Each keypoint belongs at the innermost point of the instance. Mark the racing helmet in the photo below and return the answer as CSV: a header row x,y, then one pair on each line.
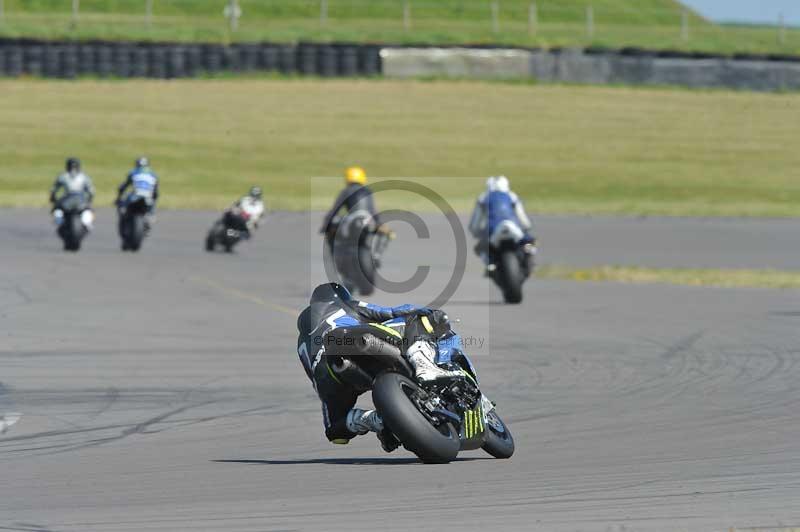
x,y
142,162
73,165
331,292
355,174
255,192
501,184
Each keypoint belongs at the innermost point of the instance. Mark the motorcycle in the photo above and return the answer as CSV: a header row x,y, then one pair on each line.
x,y
73,217
133,225
436,420
513,260
357,245
228,230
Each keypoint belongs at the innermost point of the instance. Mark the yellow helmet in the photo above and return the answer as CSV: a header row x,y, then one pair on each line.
x,y
355,174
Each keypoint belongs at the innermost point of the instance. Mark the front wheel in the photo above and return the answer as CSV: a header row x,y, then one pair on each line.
x,y
497,439
72,239
396,398
211,238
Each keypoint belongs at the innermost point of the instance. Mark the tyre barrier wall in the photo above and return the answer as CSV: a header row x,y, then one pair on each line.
x,y
165,61
627,66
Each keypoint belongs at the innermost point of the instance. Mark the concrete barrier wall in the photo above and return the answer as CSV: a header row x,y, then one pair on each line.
x,y
455,62
578,66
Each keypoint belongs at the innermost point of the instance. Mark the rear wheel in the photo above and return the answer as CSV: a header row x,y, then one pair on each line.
x,y
511,277
366,270
396,398
136,234
497,439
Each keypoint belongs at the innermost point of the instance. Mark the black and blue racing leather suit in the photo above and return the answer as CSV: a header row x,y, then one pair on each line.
x,y
314,323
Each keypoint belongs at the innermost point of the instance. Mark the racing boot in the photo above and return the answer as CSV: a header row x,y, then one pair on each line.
x,y
389,441
362,421
530,250
149,220
422,357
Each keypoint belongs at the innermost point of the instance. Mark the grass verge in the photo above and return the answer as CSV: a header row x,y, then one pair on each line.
x,y
679,276
617,23
601,150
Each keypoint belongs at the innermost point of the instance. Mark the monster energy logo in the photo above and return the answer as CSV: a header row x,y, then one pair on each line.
x,y
473,422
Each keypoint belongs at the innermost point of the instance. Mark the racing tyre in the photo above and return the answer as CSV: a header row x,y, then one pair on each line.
x,y
393,395
366,273
497,440
512,277
137,233
72,242
211,239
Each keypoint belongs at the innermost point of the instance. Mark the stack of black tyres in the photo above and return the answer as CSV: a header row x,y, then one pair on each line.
x,y
104,60
86,60
307,59
157,62
140,62
52,61
287,60
349,61
164,61
122,60
69,61
33,60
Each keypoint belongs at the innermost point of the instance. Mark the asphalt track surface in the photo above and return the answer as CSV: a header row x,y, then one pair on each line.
x,y
161,391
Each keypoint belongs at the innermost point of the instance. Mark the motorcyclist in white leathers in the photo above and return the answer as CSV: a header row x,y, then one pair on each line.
x,y
72,182
246,213
499,206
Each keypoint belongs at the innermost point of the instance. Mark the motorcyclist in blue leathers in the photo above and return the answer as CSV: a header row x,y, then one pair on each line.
x,y
499,207
143,183
332,306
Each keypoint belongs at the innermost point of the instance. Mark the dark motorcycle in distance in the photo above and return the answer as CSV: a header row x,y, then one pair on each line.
x,y
133,225
435,421
357,245
228,230
513,261
73,217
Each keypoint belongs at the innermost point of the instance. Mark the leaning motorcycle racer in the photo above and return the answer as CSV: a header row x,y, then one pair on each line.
x,y
252,206
332,306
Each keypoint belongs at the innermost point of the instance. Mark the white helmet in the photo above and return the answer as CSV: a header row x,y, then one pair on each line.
x,y
501,184
490,184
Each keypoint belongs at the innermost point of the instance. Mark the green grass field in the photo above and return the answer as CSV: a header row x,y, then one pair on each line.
x,y
643,23
566,149
724,278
